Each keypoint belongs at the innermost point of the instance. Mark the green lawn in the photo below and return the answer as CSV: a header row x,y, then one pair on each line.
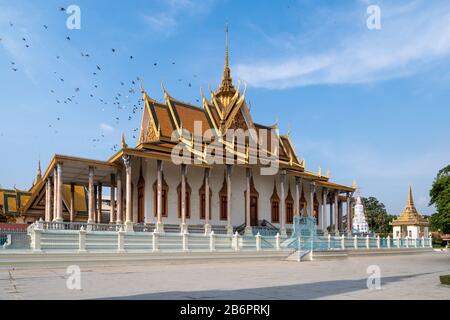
x,y
445,280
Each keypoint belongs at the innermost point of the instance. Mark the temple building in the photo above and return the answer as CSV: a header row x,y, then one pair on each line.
x,y
146,186
410,223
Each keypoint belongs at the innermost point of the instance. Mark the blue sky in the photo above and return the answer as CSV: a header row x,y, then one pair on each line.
x,y
371,105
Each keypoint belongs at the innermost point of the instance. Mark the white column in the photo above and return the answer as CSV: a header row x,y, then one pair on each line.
x,y
312,189
113,199
59,205
248,227
119,219
183,227
128,204
99,202
229,225
283,204
72,202
207,204
91,203
48,190
324,208
55,193
159,224
349,212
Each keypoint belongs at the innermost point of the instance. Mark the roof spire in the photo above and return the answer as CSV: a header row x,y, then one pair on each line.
x,y
39,174
226,87
410,202
124,144
226,47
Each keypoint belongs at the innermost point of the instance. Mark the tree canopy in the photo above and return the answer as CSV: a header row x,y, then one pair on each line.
x,y
440,198
377,217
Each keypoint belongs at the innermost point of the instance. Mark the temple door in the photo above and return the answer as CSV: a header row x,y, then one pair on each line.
x,y
141,204
253,211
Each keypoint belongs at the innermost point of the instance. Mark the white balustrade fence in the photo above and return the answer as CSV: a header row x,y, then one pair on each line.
x,y
83,237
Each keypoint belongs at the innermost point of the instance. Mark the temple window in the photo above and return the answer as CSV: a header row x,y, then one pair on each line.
x,y
188,200
202,195
275,205
164,198
289,207
223,199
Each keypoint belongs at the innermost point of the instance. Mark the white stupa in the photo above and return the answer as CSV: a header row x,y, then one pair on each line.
x,y
359,220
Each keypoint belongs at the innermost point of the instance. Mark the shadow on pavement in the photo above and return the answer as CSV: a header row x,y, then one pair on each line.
x,y
315,290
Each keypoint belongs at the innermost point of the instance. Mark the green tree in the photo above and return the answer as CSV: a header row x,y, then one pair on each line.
x,y
440,198
377,217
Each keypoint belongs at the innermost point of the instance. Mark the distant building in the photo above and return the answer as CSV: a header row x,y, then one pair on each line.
x,y
359,220
410,223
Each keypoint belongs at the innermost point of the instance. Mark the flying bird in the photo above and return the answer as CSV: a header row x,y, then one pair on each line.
x,y
68,38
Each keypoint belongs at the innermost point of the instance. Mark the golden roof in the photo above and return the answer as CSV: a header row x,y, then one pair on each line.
x,y
410,216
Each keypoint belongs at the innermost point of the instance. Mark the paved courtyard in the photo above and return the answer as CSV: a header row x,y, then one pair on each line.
x,y
413,276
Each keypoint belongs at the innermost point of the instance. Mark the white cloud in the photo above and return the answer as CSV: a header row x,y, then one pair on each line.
x,y
106,127
166,21
412,38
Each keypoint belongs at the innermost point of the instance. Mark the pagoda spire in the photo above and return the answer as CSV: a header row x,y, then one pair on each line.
x,y
410,202
38,173
226,87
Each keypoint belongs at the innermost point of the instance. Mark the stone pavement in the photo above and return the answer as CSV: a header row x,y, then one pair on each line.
x,y
413,276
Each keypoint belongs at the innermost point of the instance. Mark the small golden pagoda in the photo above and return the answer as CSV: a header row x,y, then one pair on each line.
x,y
410,223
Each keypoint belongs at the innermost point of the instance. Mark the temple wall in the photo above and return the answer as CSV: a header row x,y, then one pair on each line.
x,y
172,175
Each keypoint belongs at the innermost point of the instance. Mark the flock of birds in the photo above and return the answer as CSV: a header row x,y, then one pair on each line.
x,y
126,96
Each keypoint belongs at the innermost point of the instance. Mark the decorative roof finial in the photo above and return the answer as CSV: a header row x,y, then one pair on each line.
x,y
410,202
354,185
320,172
39,174
226,88
226,49
328,173
124,144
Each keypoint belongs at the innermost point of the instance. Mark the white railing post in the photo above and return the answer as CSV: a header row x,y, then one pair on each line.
x,y
367,242
212,241
258,242
343,242
398,242
41,223
423,242
407,242
277,241
388,239
355,242
430,242
415,242
121,240
155,241
235,242
329,241
82,240
185,241
37,238
378,242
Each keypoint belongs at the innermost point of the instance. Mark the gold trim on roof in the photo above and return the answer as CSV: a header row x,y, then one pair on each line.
x,y
410,216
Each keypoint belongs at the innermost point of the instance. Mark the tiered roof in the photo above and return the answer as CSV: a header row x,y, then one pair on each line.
x,y
410,216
